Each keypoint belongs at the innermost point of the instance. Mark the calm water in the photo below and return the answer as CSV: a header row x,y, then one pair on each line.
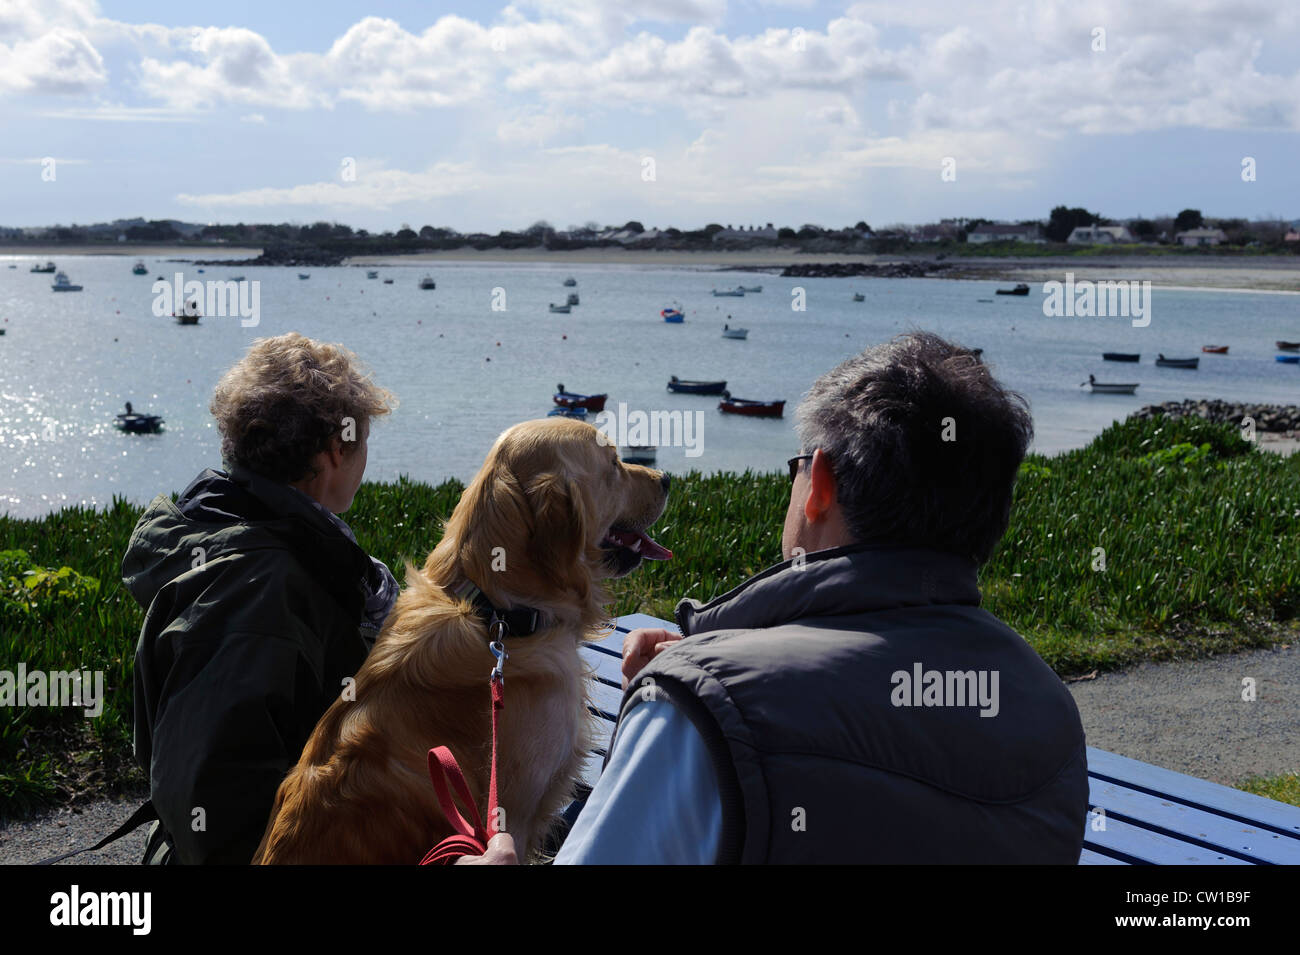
x,y
69,361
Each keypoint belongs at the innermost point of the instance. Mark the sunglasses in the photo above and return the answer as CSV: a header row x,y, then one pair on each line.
x,y
793,464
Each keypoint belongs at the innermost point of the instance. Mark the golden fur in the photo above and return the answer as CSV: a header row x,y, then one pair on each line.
x,y
546,496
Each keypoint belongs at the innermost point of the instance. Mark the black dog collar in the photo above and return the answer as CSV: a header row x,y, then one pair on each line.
x,y
518,621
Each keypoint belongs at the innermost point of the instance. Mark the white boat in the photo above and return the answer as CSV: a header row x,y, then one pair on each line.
x,y
63,284
139,268
573,299
729,332
562,309
729,293
1107,388
427,283
859,297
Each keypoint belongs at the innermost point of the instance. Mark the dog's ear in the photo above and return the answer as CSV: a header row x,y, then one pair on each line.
x,y
559,530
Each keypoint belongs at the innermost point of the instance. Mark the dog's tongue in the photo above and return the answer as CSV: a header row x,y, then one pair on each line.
x,y
640,543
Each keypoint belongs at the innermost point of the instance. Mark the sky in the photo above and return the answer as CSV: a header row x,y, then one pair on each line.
x,y
488,116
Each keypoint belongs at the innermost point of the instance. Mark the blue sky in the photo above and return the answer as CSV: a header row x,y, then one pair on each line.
x,y
489,116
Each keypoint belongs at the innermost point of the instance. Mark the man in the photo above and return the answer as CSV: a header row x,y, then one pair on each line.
x,y
259,601
854,704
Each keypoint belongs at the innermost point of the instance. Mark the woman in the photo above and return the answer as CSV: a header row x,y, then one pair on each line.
x,y
260,605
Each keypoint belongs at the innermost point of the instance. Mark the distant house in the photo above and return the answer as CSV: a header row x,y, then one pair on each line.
x,y
1293,235
746,234
991,232
1199,237
1099,235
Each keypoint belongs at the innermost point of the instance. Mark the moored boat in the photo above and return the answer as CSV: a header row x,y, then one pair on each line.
x,y
570,282
1190,363
749,288
750,408
674,315
372,274
133,423
1288,346
189,315
859,297
1110,388
639,454
1020,289
572,299
139,268
47,267
686,386
388,281
563,412
427,283
1215,349
739,333
1121,356
570,399
304,275
729,293
561,309
64,284
1288,359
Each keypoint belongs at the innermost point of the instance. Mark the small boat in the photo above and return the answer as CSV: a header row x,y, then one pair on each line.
x,y
1107,388
738,333
1282,346
133,423
561,309
1191,363
562,412
729,293
47,267
190,315
674,315
1215,349
388,281
427,283
1020,289
750,288
859,297
569,399
1288,359
1121,356
372,274
63,284
639,454
236,278
139,268
570,282
688,387
753,409
304,275
572,299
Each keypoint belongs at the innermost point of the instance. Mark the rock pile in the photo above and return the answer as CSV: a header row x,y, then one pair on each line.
x,y
1270,418
883,270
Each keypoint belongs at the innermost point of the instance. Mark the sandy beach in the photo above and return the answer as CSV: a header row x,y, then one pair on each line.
x,y
1279,274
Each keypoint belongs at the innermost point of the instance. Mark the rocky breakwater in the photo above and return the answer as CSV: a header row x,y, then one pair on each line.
x,y
1272,419
299,256
849,270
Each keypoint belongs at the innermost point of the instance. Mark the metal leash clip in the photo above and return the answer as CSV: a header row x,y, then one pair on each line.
x,y
498,631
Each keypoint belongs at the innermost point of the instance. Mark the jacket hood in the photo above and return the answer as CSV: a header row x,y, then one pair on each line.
x,y
235,512
836,582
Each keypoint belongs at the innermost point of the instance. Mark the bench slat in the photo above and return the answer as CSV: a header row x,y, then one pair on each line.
x,y
607,666
1089,857
1143,845
1198,793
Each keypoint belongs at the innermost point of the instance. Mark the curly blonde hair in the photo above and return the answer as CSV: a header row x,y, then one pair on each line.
x,y
287,399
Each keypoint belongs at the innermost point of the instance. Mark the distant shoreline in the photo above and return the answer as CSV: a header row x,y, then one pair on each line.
x,y
1193,271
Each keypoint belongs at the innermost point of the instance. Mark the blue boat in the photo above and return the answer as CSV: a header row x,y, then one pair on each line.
x,y
674,315
1288,359
579,413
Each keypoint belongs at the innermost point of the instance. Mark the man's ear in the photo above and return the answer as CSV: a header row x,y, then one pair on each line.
x,y
821,488
559,527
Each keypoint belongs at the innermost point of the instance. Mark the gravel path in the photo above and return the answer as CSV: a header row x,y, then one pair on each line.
x,y
1188,717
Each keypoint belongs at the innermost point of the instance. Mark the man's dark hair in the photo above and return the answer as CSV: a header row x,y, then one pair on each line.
x,y
924,442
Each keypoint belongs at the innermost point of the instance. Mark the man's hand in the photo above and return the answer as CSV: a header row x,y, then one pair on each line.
x,y
643,645
500,851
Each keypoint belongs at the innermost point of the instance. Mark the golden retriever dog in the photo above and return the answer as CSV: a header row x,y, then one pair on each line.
x,y
552,513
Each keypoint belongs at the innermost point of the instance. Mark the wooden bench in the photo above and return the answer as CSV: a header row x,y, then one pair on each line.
x,y
1138,814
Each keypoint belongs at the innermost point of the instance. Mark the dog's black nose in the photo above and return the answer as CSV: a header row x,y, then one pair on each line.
x,y
665,480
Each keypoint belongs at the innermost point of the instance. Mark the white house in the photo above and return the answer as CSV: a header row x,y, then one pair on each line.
x,y
1099,235
744,234
1198,237
991,232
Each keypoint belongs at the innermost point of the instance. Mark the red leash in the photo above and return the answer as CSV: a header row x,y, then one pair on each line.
x,y
469,840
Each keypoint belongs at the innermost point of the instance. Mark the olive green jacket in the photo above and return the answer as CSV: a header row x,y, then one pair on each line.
x,y
254,603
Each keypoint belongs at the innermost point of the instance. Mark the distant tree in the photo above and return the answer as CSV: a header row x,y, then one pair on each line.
x,y
712,229
969,227
674,232
406,234
1143,228
862,226
592,224
809,232
785,232
428,232
1063,221
634,226
540,227
1188,219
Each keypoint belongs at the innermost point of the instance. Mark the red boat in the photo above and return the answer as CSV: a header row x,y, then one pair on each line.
x,y
568,399
754,409
1215,349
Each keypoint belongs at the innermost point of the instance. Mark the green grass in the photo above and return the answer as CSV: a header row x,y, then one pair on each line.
x,y
1199,529
1284,788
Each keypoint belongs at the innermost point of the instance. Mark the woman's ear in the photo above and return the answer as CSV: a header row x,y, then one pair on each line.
x,y
559,528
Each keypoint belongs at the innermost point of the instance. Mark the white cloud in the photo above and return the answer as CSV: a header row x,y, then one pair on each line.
x,y
58,61
375,187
